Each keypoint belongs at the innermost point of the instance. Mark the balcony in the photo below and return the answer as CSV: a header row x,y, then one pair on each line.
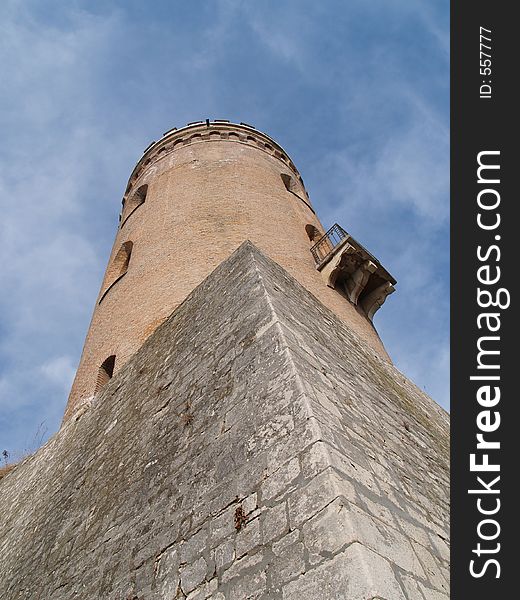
x,y
350,268
326,244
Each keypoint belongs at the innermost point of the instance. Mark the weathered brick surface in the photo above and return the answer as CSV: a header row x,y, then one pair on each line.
x,y
254,447
209,189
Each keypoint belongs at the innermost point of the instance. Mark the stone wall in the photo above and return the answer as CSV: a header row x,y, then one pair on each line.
x,y
254,447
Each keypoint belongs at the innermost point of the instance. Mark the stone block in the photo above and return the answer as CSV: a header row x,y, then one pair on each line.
x,y
307,501
274,522
341,523
287,540
430,594
222,526
289,564
432,568
224,554
193,575
240,568
280,480
193,546
248,537
356,573
250,503
251,587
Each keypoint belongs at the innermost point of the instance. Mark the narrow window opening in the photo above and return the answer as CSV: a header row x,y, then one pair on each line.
x,y
313,233
105,373
134,202
289,182
121,261
293,186
118,267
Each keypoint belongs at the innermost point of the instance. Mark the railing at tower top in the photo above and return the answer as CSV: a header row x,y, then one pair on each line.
x,y
327,243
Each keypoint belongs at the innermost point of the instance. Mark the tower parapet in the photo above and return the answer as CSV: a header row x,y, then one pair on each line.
x,y
217,130
194,196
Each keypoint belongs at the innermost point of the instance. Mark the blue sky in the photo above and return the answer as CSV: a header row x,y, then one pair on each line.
x,y
357,92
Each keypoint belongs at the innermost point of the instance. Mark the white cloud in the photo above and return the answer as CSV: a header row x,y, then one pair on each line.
x,y
59,371
48,257
283,34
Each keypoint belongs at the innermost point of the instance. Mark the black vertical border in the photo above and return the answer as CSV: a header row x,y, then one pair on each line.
x,y
478,125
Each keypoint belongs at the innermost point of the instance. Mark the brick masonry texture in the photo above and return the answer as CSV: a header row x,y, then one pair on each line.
x,y
209,190
253,448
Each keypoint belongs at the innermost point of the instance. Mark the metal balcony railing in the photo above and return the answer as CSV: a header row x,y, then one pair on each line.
x,y
326,244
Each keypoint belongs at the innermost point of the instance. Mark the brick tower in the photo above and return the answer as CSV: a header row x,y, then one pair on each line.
x,y
236,430
192,199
